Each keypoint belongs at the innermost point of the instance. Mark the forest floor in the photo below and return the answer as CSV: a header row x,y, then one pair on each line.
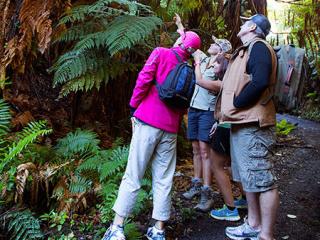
x,y
297,166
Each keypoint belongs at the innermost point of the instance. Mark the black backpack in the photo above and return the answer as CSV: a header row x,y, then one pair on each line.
x,y
177,89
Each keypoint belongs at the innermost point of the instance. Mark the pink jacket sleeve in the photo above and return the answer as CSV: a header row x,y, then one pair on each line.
x,y
145,78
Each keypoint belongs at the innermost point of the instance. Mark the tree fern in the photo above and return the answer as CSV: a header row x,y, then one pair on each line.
x,y
101,30
21,225
102,9
28,135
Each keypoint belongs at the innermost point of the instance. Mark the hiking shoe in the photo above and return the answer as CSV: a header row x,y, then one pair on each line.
x,y
225,214
194,190
240,203
155,234
114,232
205,204
242,232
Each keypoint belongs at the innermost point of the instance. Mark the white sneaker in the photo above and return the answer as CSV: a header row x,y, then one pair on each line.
x,y
114,232
242,232
155,234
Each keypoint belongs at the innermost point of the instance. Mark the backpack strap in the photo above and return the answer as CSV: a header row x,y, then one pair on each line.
x,y
177,56
179,60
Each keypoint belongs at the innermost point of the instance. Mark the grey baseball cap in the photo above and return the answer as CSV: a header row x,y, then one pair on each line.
x,y
261,21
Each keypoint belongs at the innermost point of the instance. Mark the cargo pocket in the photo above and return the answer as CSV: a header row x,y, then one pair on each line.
x,y
262,178
261,168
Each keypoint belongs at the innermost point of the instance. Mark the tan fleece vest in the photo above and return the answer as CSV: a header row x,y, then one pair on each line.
x,y
235,79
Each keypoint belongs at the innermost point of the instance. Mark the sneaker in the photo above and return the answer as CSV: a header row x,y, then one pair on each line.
x,y
240,203
242,232
114,232
225,214
194,190
155,234
205,204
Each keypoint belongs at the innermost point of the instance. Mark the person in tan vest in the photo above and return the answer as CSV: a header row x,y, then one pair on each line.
x,y
245,101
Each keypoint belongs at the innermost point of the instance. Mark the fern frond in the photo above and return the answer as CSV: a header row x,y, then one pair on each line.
x,y
79,185
126,31
90,164
103,9
101,30
28,135
143,197
78,142
74,64
109,194
122,33
131,231
21,225
77,32
5,117
116,162
81,13
84,71
86,82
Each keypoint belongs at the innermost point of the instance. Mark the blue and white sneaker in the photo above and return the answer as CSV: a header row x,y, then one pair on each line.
x,y
155,234
114,232
242,232
225,214
240,203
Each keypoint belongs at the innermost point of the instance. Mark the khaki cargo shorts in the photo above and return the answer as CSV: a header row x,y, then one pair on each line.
x,y
251,157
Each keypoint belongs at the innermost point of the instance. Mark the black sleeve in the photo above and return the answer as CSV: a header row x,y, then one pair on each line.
x,y
259,66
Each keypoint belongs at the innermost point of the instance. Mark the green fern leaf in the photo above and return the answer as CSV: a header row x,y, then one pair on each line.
x,y
79,185
5,117
21,225
116,163
126,31
28,135
101,31
131,231
78,142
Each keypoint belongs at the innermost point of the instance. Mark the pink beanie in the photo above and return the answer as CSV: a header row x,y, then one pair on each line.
x,y
190,39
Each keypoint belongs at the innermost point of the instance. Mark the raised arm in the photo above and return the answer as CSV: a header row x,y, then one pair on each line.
x,y
179,24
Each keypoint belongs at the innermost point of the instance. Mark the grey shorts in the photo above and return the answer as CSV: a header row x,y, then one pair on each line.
x,y
251,157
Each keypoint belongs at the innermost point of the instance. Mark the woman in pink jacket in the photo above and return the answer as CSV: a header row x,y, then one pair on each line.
x,y
155,127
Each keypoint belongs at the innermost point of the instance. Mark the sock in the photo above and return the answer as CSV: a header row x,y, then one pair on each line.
x,y
158,230
231,208
157,227
196,180
206,187
242,197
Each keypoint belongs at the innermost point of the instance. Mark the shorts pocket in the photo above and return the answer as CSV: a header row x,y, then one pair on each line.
x,y
261,174
258,148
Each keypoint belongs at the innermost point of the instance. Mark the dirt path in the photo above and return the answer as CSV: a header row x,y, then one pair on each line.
x,y
298,170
